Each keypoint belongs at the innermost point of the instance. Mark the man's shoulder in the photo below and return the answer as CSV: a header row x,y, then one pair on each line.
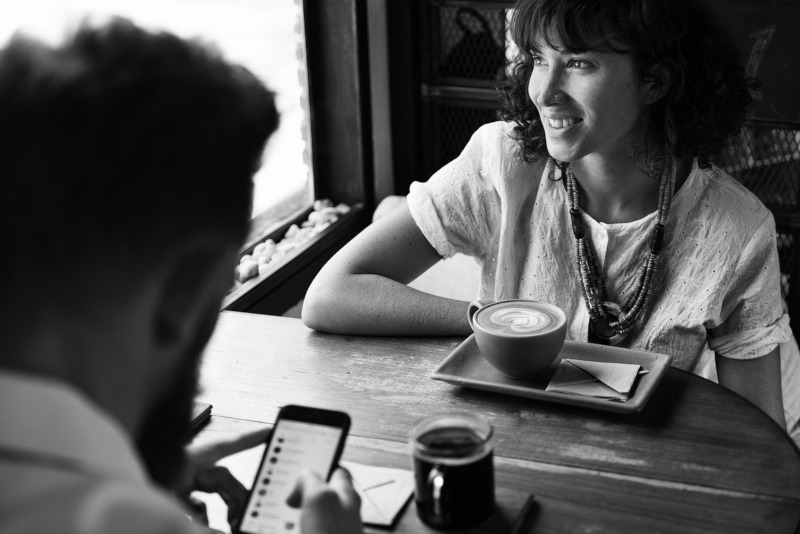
x,y
79,504
128,504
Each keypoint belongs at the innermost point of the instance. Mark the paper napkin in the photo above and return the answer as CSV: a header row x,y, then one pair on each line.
x,y
603,380
383,491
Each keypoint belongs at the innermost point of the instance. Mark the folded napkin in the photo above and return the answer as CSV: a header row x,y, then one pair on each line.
x,y
383,491
603,380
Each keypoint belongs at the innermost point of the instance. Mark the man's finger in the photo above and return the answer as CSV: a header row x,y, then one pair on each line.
x,y
307,483
323,506
342,483
198,510
207,454
219,480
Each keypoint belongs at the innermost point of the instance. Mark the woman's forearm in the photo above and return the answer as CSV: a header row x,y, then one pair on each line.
x,y
369,304
363,288
757,380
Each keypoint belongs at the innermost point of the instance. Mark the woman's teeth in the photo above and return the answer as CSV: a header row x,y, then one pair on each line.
x,y
561,123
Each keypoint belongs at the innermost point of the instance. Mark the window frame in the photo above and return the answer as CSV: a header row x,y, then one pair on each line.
x,y
337,47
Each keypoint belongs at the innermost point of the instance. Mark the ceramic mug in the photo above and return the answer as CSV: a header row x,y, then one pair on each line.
x,y
518,337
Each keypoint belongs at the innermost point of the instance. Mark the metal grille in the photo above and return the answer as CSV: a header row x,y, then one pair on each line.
x,y
471,42
458,123
766,159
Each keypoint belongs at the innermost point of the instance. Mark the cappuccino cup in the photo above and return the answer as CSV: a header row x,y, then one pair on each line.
x,y
518,337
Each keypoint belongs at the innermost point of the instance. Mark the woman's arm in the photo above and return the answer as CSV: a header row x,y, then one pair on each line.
x,y
757,380
362,289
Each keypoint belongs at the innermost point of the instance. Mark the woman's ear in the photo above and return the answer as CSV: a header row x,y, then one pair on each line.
x,y
656,82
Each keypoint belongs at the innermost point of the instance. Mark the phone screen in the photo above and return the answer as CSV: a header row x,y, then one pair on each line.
x,y
295,445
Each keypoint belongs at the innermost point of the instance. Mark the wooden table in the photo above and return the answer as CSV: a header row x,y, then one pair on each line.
x,y
698,458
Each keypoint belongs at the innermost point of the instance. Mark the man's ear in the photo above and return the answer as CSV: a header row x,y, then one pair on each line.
x,y
656,82
194,281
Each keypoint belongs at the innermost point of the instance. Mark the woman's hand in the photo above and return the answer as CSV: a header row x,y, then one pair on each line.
x,y
332,508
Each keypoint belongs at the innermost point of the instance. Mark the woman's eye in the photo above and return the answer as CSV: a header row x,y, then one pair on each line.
x,y
577,64
537,61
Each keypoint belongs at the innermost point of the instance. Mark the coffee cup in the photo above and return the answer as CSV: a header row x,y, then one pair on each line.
x,y
453,471
518,337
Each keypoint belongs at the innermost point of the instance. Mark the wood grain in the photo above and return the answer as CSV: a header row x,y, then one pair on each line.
x,y
698,458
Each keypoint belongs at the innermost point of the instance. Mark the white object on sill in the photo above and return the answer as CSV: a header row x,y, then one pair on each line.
x,y
267,253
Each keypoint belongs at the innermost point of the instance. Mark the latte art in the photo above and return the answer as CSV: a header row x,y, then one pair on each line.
x,y
515,319
518,337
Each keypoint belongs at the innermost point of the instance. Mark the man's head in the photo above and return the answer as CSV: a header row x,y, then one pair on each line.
x,y
126,164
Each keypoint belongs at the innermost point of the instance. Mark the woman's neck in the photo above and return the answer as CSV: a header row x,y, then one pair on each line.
x,y
618,192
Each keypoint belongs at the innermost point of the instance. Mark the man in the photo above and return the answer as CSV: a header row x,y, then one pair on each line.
x,y
126,163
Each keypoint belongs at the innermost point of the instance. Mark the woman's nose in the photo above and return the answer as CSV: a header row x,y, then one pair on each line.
x,y
546,88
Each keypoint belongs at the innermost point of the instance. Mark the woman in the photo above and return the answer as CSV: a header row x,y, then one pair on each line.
x,y
596,194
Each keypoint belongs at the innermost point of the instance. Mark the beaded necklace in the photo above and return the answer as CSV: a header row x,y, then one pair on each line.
x,y
610,322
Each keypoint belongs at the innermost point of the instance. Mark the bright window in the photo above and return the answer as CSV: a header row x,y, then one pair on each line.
x,y
263,35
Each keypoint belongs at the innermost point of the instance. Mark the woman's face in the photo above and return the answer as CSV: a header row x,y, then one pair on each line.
x,y
590,103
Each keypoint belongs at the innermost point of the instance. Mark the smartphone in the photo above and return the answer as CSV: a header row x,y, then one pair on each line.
x,y
302,438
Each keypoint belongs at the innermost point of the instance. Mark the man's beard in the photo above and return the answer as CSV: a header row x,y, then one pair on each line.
x,y
166,428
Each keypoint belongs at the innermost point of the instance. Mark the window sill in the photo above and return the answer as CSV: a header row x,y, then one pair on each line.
x,y
285,283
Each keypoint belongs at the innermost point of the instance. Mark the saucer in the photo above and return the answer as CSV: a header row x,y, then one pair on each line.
x,y
466,367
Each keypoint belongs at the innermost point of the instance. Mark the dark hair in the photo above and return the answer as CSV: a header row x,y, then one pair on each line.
x,y
707,95
117,146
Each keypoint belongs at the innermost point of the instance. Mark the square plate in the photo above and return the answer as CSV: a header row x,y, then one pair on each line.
x,y
466,367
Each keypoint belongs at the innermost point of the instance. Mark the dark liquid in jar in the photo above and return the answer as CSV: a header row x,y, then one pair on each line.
x,y
467,495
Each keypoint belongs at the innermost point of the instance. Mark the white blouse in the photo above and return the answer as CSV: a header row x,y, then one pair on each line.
x,y
718,280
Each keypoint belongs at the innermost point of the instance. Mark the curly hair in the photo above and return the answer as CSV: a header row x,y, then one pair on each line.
x,y
707,92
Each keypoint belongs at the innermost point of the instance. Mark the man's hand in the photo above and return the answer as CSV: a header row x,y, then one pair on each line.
x,y
204,475
332,508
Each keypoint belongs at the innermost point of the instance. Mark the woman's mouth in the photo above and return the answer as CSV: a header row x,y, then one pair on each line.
x,y
560,124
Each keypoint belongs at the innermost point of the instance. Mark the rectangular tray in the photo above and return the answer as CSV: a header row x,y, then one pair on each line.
x,y
466,367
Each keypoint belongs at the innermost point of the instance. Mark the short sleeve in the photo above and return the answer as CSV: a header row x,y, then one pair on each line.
x,y
457,209
754,320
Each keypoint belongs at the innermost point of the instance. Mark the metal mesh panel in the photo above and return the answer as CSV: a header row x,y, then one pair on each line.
x,y
766,159
471,42
458,123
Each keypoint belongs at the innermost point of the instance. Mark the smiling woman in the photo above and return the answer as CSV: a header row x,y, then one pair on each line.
x,y
597,193
589,102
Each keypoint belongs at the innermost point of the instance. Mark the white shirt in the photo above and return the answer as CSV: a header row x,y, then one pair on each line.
x,y
66,467
718,280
